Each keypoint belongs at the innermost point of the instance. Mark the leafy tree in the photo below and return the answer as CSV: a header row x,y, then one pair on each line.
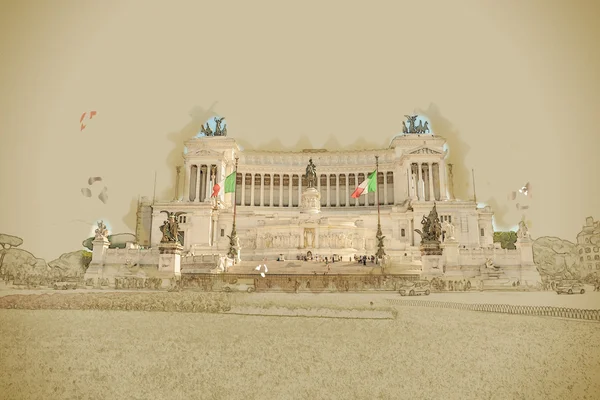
x,y
7,242
86,259
507,240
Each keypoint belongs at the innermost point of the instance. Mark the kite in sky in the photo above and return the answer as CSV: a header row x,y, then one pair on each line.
x,y
103,196
92,114
524,191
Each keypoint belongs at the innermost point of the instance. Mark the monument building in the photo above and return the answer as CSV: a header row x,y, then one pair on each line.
x,y
322,203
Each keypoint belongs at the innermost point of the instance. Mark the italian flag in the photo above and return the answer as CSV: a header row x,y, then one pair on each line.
x,y
369,185
228,183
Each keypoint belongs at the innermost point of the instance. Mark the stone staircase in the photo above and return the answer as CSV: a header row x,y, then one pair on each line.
x,y
306,268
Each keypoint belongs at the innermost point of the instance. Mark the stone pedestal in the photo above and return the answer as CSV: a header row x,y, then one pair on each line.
x,y
431,248
99,250
525,246
432,265
311,201
169,260
529,273
431,258
99,247
450,250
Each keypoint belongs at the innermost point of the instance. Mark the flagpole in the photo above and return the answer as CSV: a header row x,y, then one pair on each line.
x,y
233,240
474,192
154,195
379,236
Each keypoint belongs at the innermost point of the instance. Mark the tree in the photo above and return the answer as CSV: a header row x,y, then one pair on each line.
x,y
7,242
507,240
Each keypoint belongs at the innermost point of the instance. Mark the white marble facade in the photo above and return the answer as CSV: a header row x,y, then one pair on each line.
x,y
412,176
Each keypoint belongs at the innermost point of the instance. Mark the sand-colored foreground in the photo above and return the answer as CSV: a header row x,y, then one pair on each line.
x,y
423,354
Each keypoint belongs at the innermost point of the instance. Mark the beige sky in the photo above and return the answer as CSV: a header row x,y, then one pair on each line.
x,y
512,85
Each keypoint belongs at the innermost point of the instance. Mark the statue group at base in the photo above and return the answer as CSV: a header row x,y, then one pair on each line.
x,y
170,228
432,228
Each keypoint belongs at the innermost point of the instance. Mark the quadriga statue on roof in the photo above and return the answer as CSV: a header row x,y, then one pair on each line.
x,y
220,128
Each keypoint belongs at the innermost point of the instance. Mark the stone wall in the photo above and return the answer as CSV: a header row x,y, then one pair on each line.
x,y
133,256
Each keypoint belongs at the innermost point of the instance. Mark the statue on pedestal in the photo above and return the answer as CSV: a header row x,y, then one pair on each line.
x,y
170,228
311,174
448,230
432,229
523,232
101,231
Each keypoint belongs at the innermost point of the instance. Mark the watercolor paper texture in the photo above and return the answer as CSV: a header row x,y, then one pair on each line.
x,y
119,118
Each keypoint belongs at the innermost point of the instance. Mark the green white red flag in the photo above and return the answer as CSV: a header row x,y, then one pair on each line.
x,y
227,183
369,185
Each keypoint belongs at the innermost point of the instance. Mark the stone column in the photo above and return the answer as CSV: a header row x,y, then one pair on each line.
x,y
271,178
385,188
262,190
337,190
420,183
413,182
243,197
213,230
207,190
186,182
356,183
431,192
328,191
348,190
290,190
252,190
299,189
450,183
443,179
198,182
366,194
280,190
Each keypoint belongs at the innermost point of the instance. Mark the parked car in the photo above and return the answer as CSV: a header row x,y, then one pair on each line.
x,y
415,288
570,287
239,286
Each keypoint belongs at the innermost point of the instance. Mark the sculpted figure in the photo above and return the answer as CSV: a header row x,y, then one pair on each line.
x,y
101,231
311,174
432,229
411,123
170,228
308,238
220,131
449,230
426,127
206,130
523,232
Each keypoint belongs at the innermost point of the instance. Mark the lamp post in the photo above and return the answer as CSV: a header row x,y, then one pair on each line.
x,y
380,251
233,239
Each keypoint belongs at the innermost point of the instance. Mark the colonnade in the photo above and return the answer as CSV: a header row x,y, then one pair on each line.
x,y
427,181
198,179
285,190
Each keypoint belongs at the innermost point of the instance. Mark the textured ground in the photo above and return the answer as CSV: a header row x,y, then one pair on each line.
x,y
423,354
